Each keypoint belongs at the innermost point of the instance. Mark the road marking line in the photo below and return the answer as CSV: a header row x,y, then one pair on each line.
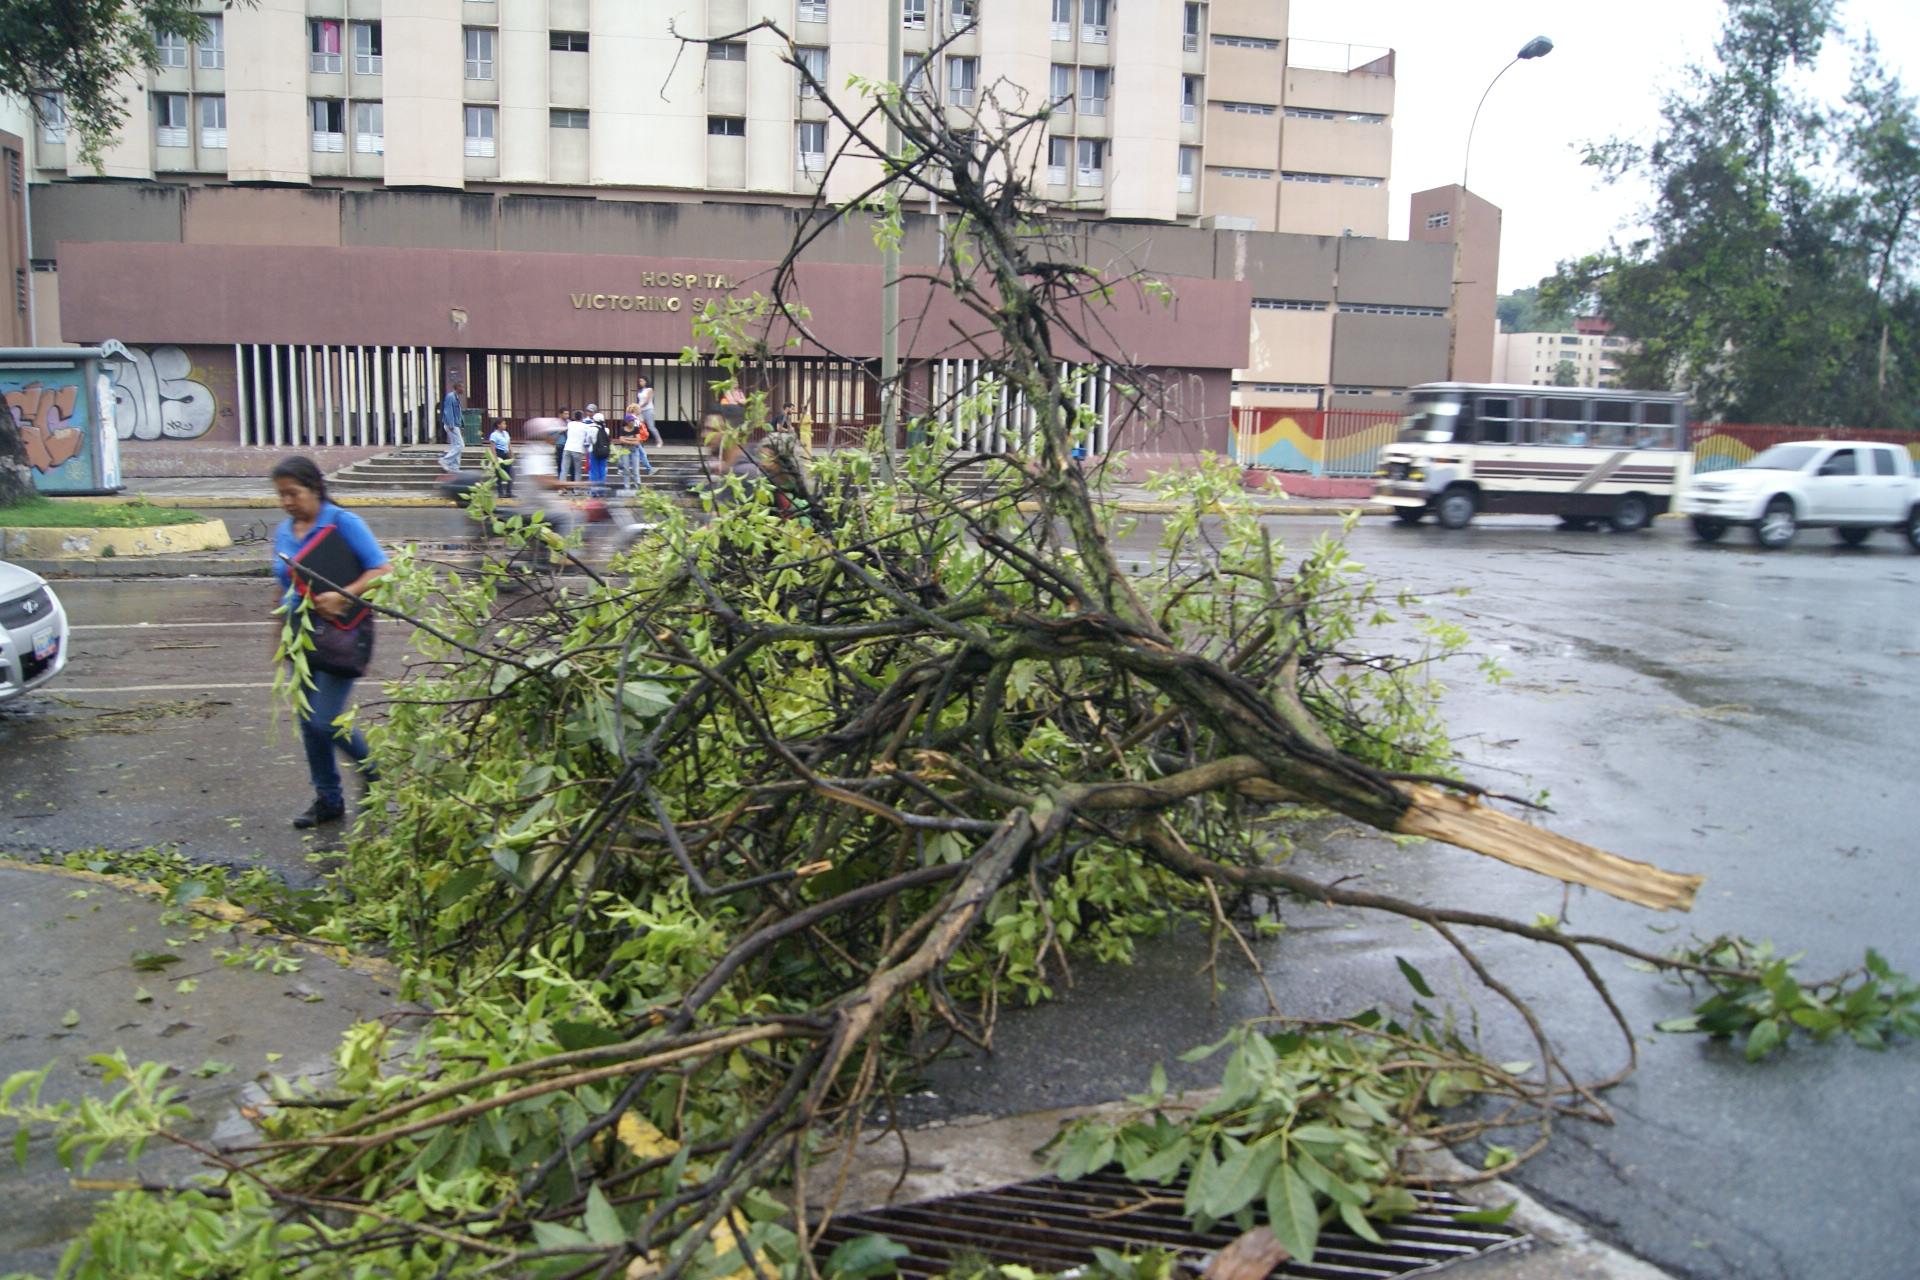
x,y
156,688
157,626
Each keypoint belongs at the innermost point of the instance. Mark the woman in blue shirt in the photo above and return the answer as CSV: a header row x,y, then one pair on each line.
x,y
303,496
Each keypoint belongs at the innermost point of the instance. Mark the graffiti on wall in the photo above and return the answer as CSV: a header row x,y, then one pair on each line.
x,y
44,412
159,395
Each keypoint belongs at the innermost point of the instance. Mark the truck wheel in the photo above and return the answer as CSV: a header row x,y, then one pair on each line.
x,y
1913,528
1409,515
1707,529
1852,535
1777,525
1630,514
1455,508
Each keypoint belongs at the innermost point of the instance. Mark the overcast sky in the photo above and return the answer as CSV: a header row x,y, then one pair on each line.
x,y
1610,64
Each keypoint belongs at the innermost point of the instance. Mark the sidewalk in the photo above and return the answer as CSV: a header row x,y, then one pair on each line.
x,y
68,942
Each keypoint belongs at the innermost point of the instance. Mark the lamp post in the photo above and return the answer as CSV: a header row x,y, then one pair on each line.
x,y
890,268
1538,47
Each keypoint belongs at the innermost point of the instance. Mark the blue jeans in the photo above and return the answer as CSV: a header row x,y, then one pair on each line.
x,y
635,460
326,700
597,473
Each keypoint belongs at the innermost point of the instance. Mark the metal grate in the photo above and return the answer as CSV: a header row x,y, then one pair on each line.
x,y
1053,1225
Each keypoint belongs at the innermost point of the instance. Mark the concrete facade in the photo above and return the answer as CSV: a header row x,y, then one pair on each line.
x,y
1454,216
1175,110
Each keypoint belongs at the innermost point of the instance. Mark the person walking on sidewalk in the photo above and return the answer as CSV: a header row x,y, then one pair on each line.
x,y
303,496
450,423
598,454
501,445
579,446
633,439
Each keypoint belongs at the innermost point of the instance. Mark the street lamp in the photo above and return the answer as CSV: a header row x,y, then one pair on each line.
x,y
1538,47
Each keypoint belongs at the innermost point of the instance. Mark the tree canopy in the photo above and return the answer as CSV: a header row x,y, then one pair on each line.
x,y
1776,279
84,51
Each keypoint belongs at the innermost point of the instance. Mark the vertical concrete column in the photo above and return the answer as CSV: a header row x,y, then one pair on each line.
x,y
649,121
1146,110
269,137
425,122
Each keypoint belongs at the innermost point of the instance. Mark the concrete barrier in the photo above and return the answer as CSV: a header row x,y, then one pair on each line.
x,y
95,544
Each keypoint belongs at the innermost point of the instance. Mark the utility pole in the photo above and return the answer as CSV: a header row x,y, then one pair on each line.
x,y
890,266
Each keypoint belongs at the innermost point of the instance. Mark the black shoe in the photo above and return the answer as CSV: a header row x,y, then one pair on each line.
x,y
320,811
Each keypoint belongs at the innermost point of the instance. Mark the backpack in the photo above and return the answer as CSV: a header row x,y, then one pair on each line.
x,y
602,440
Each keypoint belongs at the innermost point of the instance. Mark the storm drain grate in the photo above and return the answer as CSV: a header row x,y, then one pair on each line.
x,y
1052,1225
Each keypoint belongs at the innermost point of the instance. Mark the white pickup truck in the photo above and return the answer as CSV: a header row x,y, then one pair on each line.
x,y
1849,486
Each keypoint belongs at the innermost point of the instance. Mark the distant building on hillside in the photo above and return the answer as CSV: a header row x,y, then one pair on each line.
x,y
1533,359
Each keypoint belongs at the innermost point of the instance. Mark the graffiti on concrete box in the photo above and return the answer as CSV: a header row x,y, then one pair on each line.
x,y
44,410
159,395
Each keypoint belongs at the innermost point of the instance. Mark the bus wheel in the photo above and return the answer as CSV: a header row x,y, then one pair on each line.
x,y
1455,508
1578,524
1630,514
1777,525
1707,529
1409,515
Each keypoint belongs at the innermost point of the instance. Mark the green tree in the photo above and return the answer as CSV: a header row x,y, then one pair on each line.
x,y
1779,253
85,51
1522,312
1566,374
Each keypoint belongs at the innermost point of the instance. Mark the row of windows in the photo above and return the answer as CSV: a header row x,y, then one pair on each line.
x,y
1347,117
1351,308
1094,20
1289,175
1245,42
1287,304
1283,388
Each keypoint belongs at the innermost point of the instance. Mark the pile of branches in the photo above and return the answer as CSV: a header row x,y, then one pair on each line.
x,y
689,858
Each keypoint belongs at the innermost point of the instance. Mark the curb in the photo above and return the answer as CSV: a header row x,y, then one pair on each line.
x,y
162,566
42,543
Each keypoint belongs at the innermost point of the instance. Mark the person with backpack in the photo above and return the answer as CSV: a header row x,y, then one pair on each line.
x,y
340,654
598,453
579,446
633,438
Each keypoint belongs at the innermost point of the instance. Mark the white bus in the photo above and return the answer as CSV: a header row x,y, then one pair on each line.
x,y
1578,453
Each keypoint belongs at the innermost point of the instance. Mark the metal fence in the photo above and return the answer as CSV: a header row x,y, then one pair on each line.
x,y
1320,442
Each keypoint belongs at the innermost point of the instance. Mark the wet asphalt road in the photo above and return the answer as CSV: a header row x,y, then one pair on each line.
x,y
1715,710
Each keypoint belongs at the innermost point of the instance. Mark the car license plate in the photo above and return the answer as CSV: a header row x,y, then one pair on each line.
x,y
44,643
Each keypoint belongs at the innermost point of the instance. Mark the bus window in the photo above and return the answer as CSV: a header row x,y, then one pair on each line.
x,y
1496,426
1563,422
1659,413
1429,422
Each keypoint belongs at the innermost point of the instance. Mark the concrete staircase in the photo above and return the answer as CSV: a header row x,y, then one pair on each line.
x,y
415,470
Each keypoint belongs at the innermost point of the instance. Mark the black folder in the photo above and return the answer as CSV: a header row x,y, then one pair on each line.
x,y
325,562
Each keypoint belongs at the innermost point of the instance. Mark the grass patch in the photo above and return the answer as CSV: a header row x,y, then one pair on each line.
x,y
56,513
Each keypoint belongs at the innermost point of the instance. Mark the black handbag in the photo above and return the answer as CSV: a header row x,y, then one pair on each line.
x,y
341,646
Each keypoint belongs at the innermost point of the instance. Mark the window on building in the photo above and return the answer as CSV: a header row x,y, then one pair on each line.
x,y
1189,167
1248,108
1093,21
480,131
1060,85
169,49
962,75
567,41
369,129
1190,98
1357,180
1439,221
1059,160
913,14
811,11
1319,179
1262,175
1190,31
1246,42
329,124
213,42
213,124
366,48
1310,113
1063,19
913,74
1092,157
480,42
170,119
1288,304
727,51
814,60
962,14
813,145
1363,117
323,47
1094,83
51,110
726,126
566,118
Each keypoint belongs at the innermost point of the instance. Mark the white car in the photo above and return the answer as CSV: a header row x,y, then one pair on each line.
x,y
33,632
1850,486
